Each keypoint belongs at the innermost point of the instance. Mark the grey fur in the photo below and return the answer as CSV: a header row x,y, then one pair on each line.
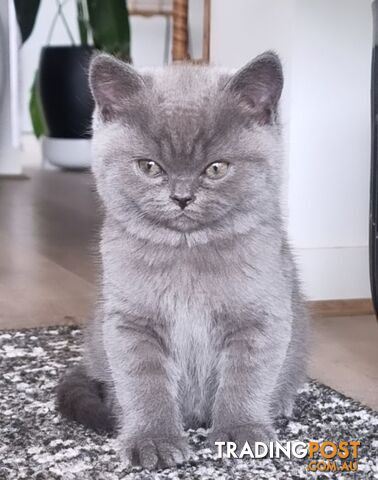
x,y
201,319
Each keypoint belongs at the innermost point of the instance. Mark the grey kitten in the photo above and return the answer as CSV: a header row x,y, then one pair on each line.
x,y
201,321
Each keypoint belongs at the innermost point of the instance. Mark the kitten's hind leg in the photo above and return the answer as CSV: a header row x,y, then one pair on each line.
x,y
292,377
284,398
293,371
82,399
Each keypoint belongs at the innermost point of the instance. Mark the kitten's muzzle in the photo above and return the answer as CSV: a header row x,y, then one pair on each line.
x,y
182,201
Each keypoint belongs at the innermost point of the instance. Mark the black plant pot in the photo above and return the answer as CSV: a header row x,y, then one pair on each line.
x,y
67,102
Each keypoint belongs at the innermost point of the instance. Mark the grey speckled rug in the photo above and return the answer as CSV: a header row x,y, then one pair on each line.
x,y
36,443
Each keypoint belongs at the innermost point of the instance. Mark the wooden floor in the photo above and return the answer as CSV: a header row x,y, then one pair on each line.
x,y
48,237
49,229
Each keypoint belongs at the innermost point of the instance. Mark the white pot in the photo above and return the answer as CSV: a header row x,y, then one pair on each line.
x,y
71,153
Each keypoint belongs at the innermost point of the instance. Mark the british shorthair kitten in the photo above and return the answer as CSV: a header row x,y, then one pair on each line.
x,y
200,319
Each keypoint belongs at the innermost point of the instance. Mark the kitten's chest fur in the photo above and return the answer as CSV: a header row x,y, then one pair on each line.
x,y
186,294
195,355
190,297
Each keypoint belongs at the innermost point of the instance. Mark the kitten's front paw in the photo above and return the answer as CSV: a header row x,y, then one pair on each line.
x,y
239,434
153,452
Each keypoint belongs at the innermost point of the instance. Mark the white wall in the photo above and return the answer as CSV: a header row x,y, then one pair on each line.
x,y
326,48
330,138
10,162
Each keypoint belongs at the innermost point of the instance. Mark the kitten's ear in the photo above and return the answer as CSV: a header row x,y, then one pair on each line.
x,y
260,84
112,83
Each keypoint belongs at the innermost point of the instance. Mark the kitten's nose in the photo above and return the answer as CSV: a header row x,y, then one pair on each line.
x,y
182,201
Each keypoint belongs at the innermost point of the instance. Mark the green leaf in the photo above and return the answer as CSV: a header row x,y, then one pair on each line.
x,y
35,109
82,22
26,13
110,26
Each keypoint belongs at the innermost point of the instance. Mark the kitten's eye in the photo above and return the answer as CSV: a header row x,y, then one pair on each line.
x,y
150,168
217,170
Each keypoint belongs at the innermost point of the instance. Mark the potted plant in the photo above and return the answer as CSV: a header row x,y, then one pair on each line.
x,y
61,104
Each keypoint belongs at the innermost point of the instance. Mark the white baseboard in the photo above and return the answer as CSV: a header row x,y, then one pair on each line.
x,y
31,147
334,273
10,162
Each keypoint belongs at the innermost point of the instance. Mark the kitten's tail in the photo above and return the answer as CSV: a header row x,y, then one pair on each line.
x,y
81,399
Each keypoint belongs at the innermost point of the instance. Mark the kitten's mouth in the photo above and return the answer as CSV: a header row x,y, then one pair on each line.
x,y
185,215
184,222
